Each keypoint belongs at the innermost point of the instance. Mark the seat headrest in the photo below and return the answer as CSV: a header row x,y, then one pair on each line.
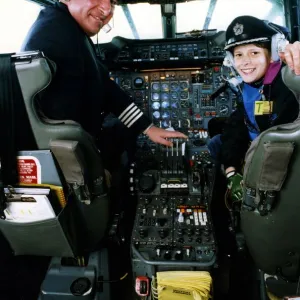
x,y
291,80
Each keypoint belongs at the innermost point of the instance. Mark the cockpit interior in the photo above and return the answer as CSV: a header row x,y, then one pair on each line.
x,y
166,228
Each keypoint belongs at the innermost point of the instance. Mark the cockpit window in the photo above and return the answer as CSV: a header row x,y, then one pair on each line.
x,y
16,17
197,15
143,21
134,21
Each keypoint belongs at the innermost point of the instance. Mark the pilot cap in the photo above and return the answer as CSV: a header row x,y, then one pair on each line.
x,y
247,30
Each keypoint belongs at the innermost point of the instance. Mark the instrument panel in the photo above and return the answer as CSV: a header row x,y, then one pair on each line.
x,y
179,98
178,84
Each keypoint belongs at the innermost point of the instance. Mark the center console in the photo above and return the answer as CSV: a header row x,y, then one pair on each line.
x,y
173,226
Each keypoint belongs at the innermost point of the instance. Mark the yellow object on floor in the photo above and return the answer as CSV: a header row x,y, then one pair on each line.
x,y
273,297
183,285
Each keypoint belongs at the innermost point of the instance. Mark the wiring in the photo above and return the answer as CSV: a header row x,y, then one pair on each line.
x,y
154,292
113,281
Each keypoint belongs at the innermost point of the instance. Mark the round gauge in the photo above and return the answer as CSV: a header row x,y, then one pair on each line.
x,y
155,105
126,83
183,85
156,115
174,86
174,115
165,115
174,105
165,86
175,125
184,95
155,96
155,86
174,96
184,104
165,124
184,114
164,96
223,110
165,104
185,123
138,82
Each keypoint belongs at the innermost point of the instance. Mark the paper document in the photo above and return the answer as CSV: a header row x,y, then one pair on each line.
x,y
29,208
33,191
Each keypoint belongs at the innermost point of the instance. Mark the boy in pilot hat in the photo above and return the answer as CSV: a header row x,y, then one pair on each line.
x,y
256,49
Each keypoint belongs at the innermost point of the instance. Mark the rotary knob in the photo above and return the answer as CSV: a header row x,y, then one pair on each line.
x,y
147,183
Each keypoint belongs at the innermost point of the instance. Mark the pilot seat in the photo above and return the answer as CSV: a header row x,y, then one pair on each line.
x,y
270,208
67,157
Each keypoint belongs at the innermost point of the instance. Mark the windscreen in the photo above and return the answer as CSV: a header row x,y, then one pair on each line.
x,y
142,21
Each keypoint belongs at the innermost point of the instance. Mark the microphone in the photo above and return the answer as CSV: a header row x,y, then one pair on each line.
x,y
231,83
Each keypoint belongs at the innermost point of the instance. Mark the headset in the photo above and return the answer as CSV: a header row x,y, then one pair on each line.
x,y
278,44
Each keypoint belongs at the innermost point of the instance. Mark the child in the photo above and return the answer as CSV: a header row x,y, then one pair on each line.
x,y
252,50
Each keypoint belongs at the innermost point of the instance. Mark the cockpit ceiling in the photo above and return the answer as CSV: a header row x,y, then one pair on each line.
x,y
152,1
49,2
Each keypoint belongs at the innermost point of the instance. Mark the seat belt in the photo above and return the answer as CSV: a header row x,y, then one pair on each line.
x,y
8,170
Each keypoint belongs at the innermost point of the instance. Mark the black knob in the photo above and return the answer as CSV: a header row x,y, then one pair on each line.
x,y
206,232
164,201
203,53
198,232
147,201
190,232
147,183
143,233
163,233
178,255
167,255
180,231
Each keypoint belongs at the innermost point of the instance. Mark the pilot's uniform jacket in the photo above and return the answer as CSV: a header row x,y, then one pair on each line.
x,y
81,89
239,129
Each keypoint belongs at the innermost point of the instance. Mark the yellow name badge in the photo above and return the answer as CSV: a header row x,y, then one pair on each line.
x,y
263,108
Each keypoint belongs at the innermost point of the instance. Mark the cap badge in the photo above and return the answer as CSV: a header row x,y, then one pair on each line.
x,y
238,29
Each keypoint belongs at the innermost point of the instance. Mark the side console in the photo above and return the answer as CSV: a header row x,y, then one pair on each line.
x,y
173,226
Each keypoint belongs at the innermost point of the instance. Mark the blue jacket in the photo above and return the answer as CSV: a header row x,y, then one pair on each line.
x,y
236,138
81,89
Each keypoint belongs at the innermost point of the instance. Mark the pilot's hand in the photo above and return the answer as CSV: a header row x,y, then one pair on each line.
x,y
235,186
159,135
291,56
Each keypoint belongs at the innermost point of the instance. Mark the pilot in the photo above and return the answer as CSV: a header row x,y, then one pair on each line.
x,y
81,89
264,100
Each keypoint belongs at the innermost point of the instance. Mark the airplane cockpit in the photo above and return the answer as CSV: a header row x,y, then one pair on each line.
x,y
167,228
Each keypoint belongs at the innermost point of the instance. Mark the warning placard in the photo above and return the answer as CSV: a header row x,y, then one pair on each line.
x,y
29,169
